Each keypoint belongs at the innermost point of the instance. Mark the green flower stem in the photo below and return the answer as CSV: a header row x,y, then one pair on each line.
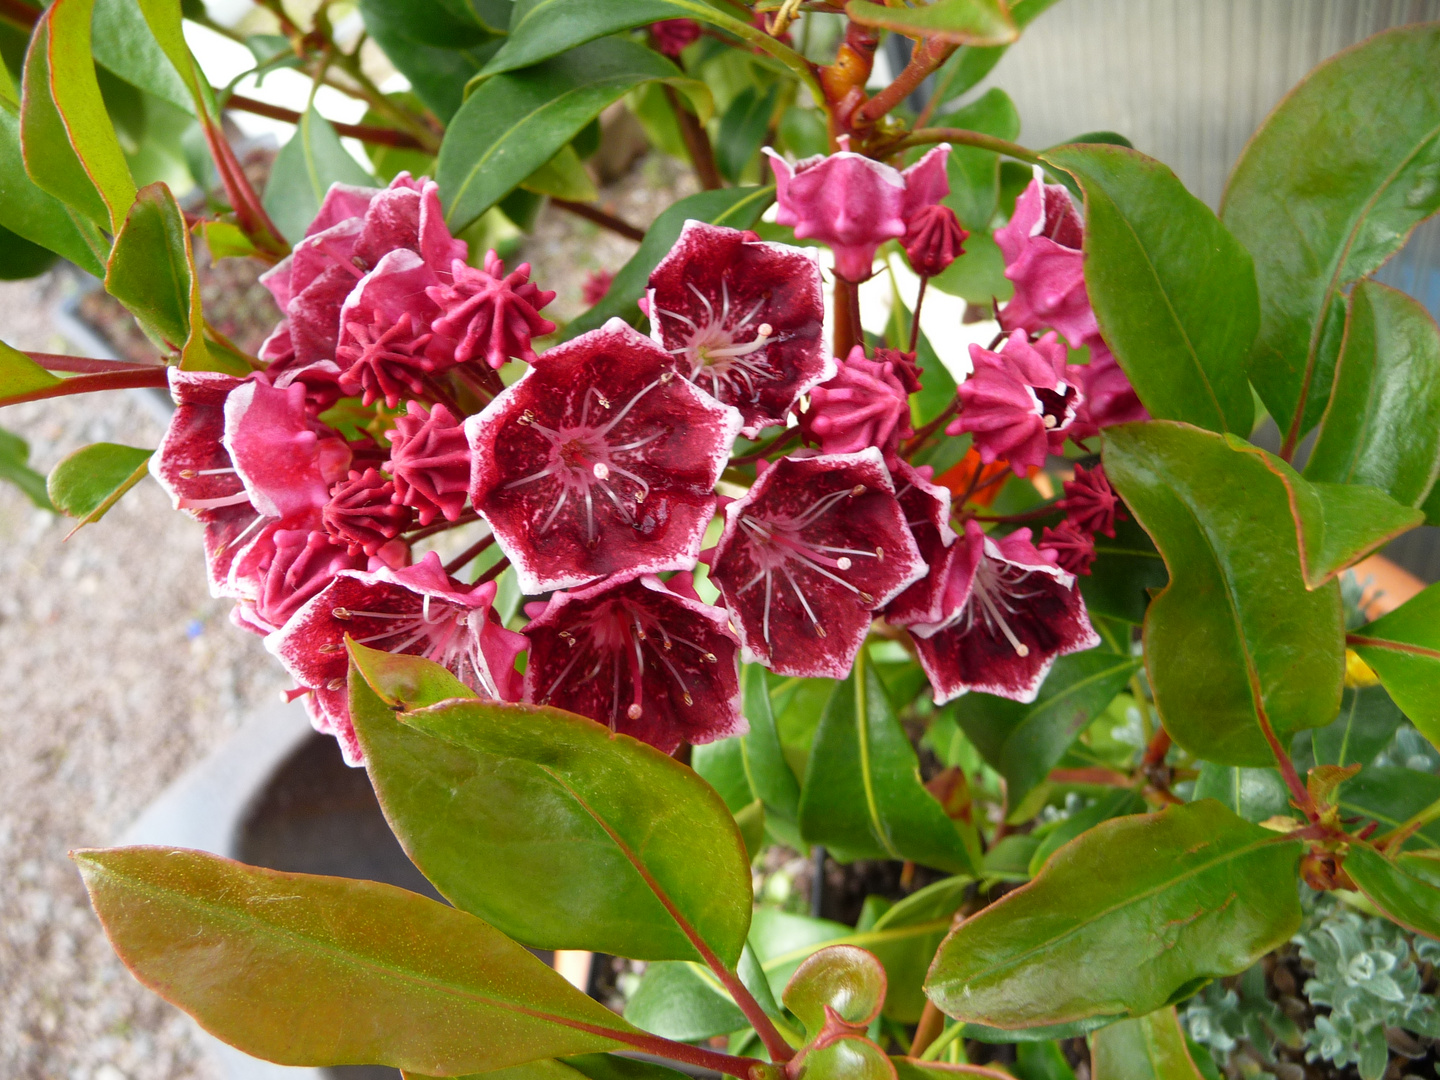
x,y
1408,828
963,136
949,1035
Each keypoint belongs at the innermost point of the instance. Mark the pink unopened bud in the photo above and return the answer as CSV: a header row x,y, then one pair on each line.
x,y
933,240
362,513
1090,504
1068,548
430,461
489,313
864,405
671,36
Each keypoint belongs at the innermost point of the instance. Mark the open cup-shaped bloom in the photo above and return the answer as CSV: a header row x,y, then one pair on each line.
x,y
420,611
808,555
599,460
1042,248
651,663
1018,402
1008,613
742,319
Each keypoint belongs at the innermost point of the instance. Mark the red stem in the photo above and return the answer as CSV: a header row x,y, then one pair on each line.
x,y
468,554
848,332
727,1064
1029,515
1299,793
697,142
491,574
84,364
20,13
441,526
249,213
378,136
929,55
601,218
85,384
1158,748
915,319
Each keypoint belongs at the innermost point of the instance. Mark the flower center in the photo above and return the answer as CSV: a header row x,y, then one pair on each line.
x,y
995,593
724,351
442,633
780,546
1056,407
615,640
583,462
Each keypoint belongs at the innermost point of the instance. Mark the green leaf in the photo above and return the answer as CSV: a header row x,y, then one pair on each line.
x,y
1392,795
1042,1061
90,481
850,1057
1339,524
31,212
766,769
1327,189
1148,1048
743,128
1403,648
1127,570
1255,794
1367,722
70,146
1174,292
974,173
164,17
738,208
1122,919
905,938
541,29
1236,635
20,375
553,829
304,169
863,797
20,259
840,979
963,22
305,970
126,46
1382,425
1116,804
513,124
15,467
1025,741
1411,901
152,272
580,1067
438,49
564,176
682,1001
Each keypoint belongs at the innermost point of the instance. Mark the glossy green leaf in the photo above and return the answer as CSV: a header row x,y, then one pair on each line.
x,y
20,375
152,272
87,483
750,820
126,46
564,177
1410,900
851,1057
1327,189
1042,1061
1236,635
1339,524
1403,648
905,938
743,128
862,797
165,19
1391,795
437,48
682,1001
70,146
31,212
843,979
21,259
1382,425
513,124
1025,741
1368,720
551,828
738,208
964,22
1126,571
15,468
1121,920
306,166
974,173
766,769
1147,1048
1173,290
1254,794
1010,859
579,1067
305,970
1117,803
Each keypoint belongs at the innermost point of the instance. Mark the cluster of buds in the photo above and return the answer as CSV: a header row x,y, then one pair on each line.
x,y
596,470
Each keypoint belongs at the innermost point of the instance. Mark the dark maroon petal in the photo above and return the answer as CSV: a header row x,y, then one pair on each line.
x,y
430,461
1072,549
191,463
418,611
329,712
1091,505
490,314
904,366
651,663
808,554
742,319
933,240
927,514
362,513
599,461
1009,614
865,404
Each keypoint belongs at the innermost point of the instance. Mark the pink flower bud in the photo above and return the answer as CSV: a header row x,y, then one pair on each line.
x,y
864,405
933,240
430,462
362,513
1069,548
489,313
671,36
1091,505
1041,244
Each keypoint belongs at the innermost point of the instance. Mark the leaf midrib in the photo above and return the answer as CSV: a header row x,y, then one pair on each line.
x,y
867,778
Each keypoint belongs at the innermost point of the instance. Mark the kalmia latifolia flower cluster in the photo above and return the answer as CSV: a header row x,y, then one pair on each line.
x,y
598,469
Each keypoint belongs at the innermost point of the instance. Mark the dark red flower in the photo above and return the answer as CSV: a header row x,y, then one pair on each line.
x,y
808,554
599,461
1072,550
1042,248
385,331
906,369
296,565
927,514
671,36
597,283
430,462
1090,503
1008,613
362,513
191,463
419,611
1017,402
286,459
649,662
933,239
489,313
865,404
742,319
